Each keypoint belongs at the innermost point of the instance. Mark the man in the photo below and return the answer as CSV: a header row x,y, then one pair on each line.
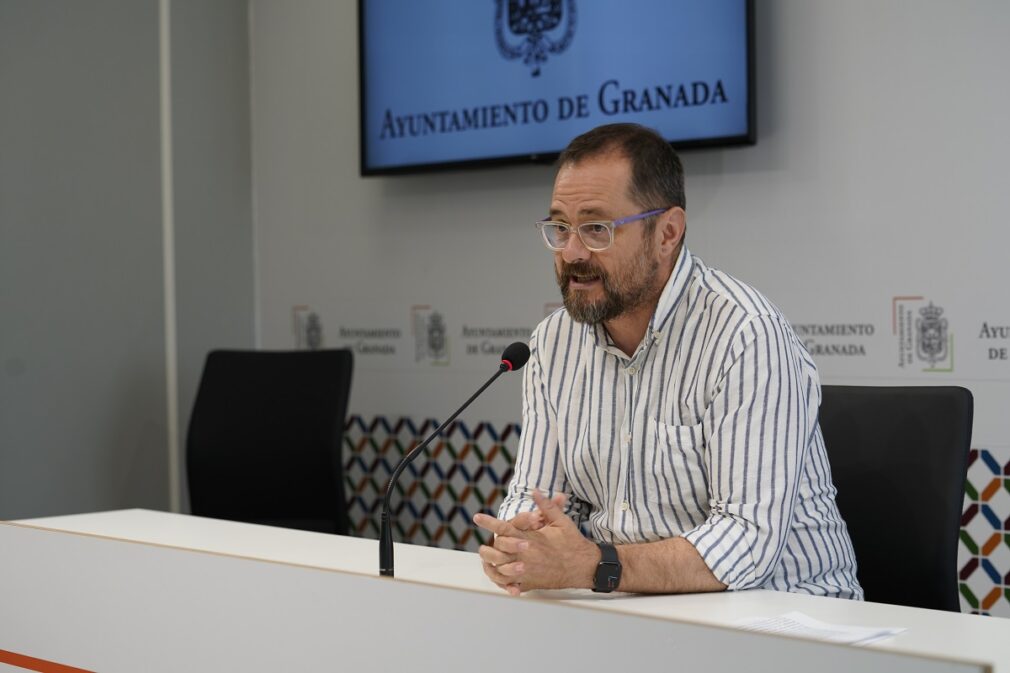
x,y
669,408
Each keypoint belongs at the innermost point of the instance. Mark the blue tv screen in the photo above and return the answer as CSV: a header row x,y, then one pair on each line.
x,y
448,83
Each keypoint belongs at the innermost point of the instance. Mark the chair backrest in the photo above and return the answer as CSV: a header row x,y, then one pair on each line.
x,y
264,441
899,458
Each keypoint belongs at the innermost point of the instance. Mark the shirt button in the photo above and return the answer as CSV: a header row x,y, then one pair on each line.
x,y
627,439
632,370
625,506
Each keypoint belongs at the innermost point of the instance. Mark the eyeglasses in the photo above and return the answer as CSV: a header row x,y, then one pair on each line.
x,y
596,236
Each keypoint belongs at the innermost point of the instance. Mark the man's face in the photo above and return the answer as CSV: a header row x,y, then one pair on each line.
x,y
601,286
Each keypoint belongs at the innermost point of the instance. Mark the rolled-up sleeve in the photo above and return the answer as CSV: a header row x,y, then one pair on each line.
x,y
757,429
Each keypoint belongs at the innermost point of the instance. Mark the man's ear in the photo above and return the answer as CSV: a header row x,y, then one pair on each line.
x,y
670,230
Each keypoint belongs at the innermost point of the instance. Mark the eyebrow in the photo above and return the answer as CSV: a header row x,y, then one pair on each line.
x,y
583,212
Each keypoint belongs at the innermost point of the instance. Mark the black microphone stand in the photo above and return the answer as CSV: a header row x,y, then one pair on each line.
x,y
385,531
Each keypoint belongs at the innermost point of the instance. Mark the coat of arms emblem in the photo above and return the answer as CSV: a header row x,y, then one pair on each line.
x,y
542,26
313,332
431,340
436,337
931,339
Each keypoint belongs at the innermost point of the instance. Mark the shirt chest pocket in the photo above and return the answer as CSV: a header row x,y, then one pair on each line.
x,y
674,465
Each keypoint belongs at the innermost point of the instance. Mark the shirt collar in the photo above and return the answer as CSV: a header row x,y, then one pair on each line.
x,y
673,293
669,300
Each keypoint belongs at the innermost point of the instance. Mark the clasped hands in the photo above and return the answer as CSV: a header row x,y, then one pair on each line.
x,y
542,549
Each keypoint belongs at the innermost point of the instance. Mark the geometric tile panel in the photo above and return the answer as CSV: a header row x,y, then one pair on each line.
x,y
462,472
984,558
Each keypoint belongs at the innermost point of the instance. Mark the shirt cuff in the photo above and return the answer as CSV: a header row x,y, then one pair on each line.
x,y
725,544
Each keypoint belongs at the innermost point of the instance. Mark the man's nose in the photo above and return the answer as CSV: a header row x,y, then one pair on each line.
x,y
575,250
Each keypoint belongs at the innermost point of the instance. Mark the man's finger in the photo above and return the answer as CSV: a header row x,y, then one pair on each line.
x,y
496,526
504,587
551,511
494,556
496,577
535,520
510,545
513,589
511,570
527,520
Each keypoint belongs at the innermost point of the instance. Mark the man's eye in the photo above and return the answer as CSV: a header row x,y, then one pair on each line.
x,y
595,227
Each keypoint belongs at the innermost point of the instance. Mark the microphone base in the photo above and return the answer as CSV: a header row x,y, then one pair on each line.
x,y
385,542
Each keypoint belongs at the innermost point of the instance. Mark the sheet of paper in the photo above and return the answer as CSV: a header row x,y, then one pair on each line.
x,y
799,624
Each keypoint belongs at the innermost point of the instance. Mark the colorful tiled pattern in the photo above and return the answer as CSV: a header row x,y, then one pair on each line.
x,y
985,536
462,472
466,470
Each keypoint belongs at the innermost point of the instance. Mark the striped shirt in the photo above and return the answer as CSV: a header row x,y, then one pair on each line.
x,y
709,432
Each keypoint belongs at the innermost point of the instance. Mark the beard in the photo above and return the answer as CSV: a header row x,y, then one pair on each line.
x,y
624,289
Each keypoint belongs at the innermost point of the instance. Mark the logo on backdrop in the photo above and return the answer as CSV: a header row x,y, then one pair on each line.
x,y
923,334
307,327
542,27
492,340
370,340
845,339
931,339
431,343
995,337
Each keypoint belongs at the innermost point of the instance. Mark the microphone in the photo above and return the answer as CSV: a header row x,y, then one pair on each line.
x,y
512,359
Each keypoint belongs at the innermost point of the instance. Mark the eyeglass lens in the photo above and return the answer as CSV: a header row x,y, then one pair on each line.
x,y
594,235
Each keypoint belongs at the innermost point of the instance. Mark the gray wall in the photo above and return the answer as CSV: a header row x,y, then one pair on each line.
x,y
83,422
82,390
212,185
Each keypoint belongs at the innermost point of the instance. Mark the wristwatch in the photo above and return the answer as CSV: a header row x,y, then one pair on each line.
x,y
608,571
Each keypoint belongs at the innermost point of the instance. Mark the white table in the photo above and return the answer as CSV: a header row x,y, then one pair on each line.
x,y
174,568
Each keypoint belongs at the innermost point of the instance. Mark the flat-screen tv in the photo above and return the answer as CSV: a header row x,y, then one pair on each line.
x,y
448,83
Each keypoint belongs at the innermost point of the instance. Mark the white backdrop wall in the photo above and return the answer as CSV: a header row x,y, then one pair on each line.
x,y
877,187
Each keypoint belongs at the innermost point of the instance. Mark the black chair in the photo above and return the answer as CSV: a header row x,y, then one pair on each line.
x,y
264,442
899,458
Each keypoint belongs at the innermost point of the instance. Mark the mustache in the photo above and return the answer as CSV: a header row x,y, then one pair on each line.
x,y
569,271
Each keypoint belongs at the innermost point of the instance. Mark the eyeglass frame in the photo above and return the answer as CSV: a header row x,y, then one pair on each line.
x,y
611,225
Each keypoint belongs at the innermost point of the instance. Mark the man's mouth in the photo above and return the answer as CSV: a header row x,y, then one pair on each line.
x,y
581,280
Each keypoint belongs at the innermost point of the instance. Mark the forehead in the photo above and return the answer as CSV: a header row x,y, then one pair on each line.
x,y
593,186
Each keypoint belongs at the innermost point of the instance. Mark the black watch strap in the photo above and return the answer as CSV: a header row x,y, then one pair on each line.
x,y
608,571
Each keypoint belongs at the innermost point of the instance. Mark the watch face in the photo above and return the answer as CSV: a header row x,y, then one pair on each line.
x,y
608,571
608,576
